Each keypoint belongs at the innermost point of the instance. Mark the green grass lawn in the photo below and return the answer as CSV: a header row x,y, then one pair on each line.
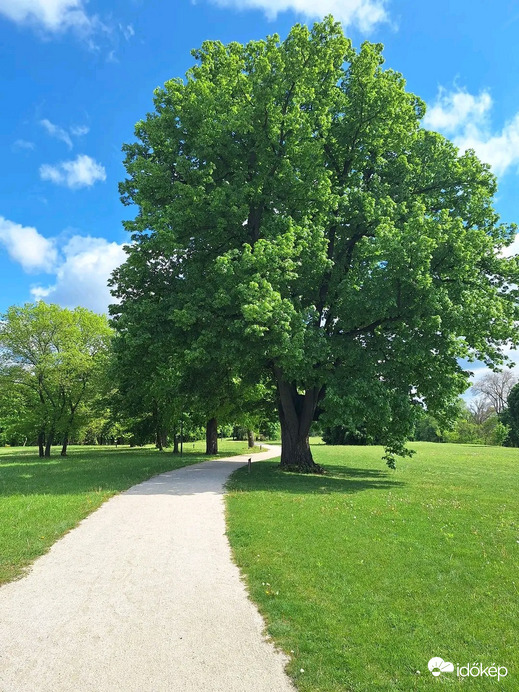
x,y
41,499
365,574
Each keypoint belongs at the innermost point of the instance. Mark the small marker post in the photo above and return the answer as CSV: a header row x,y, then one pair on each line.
x,y
249,465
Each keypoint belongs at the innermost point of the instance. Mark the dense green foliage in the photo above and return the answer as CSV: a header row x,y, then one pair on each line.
x,y
296,224
510,417
364,575
51,362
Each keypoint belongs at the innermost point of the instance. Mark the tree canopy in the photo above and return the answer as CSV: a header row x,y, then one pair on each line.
x,y
295,221
49,360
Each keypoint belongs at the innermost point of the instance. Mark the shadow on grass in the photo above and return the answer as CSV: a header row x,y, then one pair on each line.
x,y
267,476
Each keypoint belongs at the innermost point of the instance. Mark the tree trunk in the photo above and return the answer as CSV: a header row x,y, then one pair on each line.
x,y
175,444
65,445
211,437
296,413
41,444
250,438
48,444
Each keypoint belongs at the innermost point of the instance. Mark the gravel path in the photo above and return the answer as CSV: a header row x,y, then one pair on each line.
x,y
142,595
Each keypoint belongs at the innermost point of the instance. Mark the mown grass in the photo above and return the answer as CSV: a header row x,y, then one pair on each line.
x,y
41,499
365,574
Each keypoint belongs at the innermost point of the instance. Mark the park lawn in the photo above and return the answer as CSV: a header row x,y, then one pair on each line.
x,y
41,499
365,574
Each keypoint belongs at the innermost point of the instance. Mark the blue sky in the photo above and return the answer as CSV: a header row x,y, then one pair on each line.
x,y
77,75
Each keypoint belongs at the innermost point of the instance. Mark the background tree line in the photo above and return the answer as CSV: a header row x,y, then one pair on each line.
x,y
67,377
491,417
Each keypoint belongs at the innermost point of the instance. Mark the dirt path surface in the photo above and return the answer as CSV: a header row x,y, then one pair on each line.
x,y
142,595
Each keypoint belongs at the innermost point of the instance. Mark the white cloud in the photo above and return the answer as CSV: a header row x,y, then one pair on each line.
x,y
512,249
500,150
82,275
456,110
53,15
81,266
83,171
27,247
364,14
466,119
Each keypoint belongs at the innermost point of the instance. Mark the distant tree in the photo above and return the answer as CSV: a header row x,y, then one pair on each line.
x,y
493,431
427,429
495,388
464,431
294,218
49,358
481,408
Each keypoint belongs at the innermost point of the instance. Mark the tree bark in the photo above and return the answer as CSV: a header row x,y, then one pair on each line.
x,y
296,413
175,444
250,438
41,444
211,437
65,445
161,439
48,444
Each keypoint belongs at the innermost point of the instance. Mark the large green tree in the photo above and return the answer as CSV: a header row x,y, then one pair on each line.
x,y
293,217
50,358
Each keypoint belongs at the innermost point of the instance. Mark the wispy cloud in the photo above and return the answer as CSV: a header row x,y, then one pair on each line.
x,y
466,119
23,144
127,31
79,130
61,133
83,171
363,14
57,132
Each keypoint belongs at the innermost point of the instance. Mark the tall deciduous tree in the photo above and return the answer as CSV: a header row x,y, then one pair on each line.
x,y
50,357
294,216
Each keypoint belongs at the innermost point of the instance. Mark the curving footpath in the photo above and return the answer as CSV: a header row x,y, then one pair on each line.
x,y
142,596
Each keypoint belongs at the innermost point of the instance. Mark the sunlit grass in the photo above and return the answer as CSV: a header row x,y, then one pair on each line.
x,y
365,574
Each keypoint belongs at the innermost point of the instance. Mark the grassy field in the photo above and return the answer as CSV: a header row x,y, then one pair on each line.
x,y
365,574
41,499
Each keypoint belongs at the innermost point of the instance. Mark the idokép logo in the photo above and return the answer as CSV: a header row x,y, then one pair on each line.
x,y
437,666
